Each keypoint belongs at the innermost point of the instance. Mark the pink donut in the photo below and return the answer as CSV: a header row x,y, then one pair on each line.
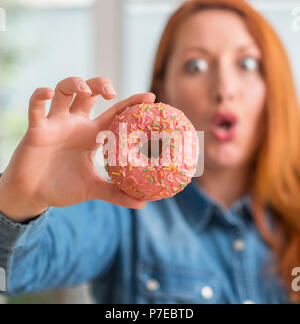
x,y
158,180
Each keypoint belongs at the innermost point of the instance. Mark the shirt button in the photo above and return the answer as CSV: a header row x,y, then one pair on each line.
x,y
239,245
207,292
249,302
152,285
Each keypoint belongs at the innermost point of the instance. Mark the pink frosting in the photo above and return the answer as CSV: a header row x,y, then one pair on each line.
x,y
160,181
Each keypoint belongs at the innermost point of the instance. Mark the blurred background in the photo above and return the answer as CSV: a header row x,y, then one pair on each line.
x,y
46,41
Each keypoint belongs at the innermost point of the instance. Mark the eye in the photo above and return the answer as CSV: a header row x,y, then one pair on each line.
x,y
250,64
196,65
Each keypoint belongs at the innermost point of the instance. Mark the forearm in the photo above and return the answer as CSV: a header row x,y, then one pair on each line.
x,y
63,247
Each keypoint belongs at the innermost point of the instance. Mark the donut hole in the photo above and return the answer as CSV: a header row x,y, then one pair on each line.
x,y
152,149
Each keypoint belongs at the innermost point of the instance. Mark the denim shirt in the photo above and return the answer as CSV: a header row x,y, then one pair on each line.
x,y
185,249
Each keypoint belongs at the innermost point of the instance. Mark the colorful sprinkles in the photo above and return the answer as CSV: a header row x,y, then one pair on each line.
x,y
166,180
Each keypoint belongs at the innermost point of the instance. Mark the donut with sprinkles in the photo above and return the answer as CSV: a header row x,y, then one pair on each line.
x,y
144,176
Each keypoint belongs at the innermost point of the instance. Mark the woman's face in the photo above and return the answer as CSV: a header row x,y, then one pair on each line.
x,y
215,68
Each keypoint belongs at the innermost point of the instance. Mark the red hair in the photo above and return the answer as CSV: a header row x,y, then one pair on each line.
x,y
276,181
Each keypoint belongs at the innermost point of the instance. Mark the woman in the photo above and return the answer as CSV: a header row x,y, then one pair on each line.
x,y
233,236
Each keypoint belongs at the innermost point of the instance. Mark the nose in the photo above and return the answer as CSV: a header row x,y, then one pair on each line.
x,y
224,85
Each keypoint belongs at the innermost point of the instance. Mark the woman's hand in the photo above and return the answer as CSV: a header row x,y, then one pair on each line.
x,y
53,164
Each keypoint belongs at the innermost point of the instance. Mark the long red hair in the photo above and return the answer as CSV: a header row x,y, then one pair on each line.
x,y
276,181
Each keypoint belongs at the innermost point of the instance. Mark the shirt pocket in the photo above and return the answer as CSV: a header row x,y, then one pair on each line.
x,y
161,284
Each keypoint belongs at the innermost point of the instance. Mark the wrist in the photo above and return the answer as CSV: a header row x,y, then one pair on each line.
x,y
17,207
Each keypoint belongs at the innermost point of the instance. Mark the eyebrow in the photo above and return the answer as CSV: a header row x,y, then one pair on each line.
x,y
207,52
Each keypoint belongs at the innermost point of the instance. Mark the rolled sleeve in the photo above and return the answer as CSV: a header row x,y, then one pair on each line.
x,y
14,234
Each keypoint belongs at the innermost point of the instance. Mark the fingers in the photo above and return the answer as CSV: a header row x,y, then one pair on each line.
x,y
98,86
104,190
64,94
104,120
37,106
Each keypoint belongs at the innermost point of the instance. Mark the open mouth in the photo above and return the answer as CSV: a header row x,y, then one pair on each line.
x,y
226,124
223,126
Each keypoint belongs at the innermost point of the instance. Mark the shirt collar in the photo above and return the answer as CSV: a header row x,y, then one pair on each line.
x,y
201,209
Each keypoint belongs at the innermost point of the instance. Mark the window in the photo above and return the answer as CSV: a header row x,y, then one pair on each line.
x,y
44,42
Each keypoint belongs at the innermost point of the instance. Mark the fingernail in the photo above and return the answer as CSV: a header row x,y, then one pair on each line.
x,y
49,91
84,87
109,89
